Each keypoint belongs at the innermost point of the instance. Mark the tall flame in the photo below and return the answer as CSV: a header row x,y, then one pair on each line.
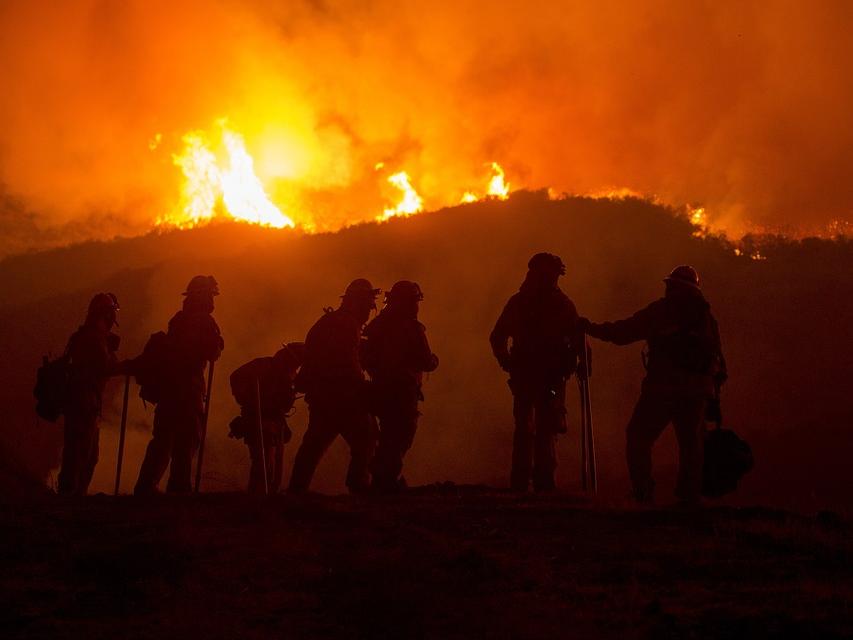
x,y
229,186
411,202
498,187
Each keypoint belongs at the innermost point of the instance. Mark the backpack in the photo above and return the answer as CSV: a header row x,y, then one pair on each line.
x,y
151,368
727,459
50,389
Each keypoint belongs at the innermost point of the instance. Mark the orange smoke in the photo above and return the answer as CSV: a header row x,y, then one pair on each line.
x,y
742,108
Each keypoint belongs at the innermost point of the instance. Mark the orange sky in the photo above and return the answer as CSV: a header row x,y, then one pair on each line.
x,y
742,107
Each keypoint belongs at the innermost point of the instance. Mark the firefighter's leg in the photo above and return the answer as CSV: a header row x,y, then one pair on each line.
x,y
158,453
359,430
319,435
93,434
688,419
256,472
651,415
396,435
73,454
67,471
522,441
184,445
275,466
550,420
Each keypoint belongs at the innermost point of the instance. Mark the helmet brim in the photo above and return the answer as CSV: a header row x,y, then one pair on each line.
x,y
691,285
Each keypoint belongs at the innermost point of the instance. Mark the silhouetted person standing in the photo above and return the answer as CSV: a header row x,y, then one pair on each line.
x,y
684,364
540,321
270,380
92,360
333,381
193,340
396,355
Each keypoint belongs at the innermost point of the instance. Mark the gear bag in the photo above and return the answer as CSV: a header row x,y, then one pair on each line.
x,y
151,368
50,388
727,459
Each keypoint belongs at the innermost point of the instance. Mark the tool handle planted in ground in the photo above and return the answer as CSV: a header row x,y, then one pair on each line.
x,y
122,433
590,438
204,427
261,434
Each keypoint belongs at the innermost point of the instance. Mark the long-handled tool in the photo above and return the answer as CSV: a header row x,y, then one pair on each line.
x,y
204,427
122,433
261,434
589,472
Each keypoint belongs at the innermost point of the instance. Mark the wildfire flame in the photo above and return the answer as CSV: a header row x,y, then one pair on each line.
x,y
224,185
498,186
411,202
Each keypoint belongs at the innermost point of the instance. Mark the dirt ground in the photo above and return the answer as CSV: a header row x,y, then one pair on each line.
x,y
440,562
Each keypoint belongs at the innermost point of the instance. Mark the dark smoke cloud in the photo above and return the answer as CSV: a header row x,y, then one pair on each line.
x,y
742,107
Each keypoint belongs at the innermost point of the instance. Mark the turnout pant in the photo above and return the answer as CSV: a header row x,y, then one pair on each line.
x,y
276,434
326,421
177,433
79,453
398,422
275,462
540,414
653,412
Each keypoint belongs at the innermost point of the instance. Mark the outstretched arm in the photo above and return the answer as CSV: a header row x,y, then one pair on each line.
x,y
622,332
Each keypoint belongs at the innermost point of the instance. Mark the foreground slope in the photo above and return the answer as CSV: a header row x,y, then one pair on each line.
x,y
445,562
784,322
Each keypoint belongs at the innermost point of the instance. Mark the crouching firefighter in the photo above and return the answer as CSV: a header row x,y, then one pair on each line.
x,y
91,360
332,379
170,372
266,384
396,354
540,320
684,367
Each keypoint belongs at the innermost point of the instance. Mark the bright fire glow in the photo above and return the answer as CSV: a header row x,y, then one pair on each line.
x,y
498,186
221,185
615,193
410,203
697,216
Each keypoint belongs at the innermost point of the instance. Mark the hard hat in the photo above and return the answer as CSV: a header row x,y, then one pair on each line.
x,y
404,290
103,302
361,288
291,355
684,274
548,263
202,284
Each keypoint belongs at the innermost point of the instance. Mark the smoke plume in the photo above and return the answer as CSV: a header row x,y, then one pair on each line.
x,y
740,107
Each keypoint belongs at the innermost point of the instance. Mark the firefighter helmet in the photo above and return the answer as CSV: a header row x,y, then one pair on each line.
x,y
361,288
684,274
547,263
202,285
404,290
103,302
